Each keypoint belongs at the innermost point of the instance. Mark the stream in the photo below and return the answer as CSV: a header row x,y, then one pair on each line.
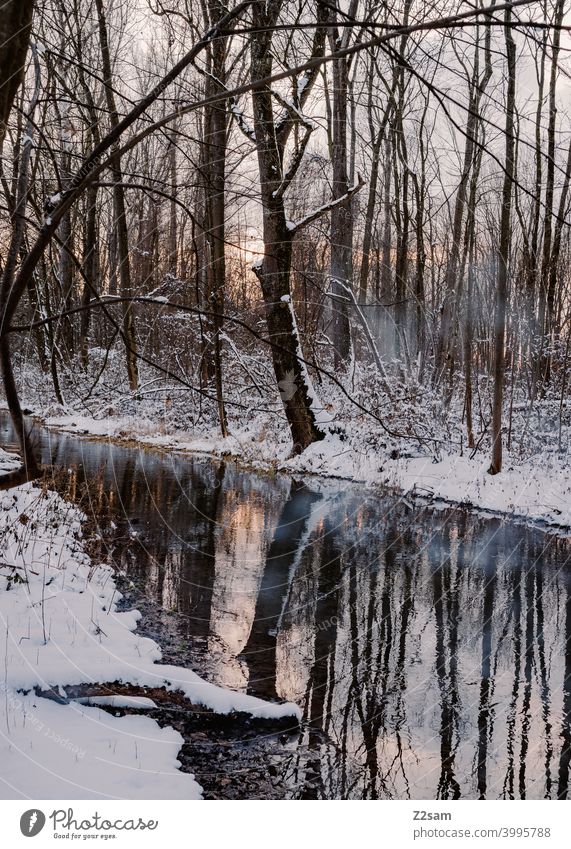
x,y
429,650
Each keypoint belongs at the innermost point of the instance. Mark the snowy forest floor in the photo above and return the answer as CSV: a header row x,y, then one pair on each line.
x,y
64,638
410,442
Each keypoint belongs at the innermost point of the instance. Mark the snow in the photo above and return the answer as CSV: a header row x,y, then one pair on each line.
x,y
8,462
291,109
64,627
528,489
52,751
59,625
321,416
422,455
531,491
238,114
302,84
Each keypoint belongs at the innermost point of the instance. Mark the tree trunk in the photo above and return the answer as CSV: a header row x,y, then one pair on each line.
x,y
91,262
549,258
91,270
120,212
369,219
503,258
274,271
172,264
65,230
214,164
13,49
15,27
341,269
447,336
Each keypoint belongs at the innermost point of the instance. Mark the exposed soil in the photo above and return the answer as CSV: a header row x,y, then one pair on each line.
x,y
233,756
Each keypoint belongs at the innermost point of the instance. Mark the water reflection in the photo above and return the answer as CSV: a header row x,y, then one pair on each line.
x,y
429,651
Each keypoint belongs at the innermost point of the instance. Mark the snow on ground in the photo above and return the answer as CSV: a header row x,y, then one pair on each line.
x,y
59,622
52,751
411,441
8,462
59,625
537,489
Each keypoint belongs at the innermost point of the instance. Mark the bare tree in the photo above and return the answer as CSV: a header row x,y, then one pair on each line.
x,y
121,228
342,216
276,175
15,24
504,251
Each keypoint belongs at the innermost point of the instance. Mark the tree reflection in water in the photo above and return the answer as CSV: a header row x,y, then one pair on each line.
x,y
430,651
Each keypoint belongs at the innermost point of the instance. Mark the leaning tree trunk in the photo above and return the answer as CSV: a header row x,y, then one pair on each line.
x,y
15,24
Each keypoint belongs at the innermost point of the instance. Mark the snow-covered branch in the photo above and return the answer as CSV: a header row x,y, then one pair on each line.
x,y
238,116
294,226
369,336
292,113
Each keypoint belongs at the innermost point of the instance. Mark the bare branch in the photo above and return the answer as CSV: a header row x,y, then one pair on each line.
x,y
294,227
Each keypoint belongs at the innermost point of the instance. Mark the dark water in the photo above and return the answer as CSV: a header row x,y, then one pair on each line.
x,y
430,651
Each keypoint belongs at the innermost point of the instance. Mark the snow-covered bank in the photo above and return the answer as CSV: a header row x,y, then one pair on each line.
x,y
52,751
412,441
60,626
536,489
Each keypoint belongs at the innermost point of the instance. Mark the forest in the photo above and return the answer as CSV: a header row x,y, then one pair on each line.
x,y
293,241
294,216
